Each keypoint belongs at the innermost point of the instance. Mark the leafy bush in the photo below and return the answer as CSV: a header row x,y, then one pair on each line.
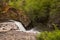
x,y
55,12
37,8
18,4
54,35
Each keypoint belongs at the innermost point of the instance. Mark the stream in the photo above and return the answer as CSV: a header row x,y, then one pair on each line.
x,y
21,27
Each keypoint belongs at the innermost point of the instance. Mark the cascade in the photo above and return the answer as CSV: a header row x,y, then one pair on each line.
x,y
21,27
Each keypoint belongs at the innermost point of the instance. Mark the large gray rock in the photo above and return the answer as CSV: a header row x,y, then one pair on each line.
x,y
16,35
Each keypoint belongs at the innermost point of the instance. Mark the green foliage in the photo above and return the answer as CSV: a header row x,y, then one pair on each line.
x,y
18,4
54,16
37,8
54,35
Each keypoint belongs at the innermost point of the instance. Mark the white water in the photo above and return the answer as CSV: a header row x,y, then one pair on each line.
x,y
21,27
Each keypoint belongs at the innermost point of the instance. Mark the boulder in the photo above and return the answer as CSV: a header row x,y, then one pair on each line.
x,y
7,26
17,35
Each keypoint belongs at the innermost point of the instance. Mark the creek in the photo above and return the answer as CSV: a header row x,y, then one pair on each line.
x,y
21,27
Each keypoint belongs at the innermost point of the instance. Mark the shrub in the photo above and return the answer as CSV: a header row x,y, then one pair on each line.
x,y
54,35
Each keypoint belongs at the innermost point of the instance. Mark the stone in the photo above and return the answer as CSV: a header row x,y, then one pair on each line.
x,y
17,35
7,26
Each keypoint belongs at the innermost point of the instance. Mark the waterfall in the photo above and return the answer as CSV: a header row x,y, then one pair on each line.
x,y
21,27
